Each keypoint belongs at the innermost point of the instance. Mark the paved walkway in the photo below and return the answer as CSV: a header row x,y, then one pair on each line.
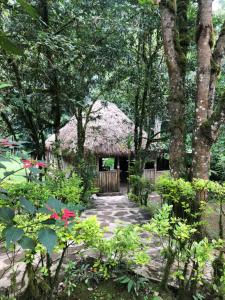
x,y
114,210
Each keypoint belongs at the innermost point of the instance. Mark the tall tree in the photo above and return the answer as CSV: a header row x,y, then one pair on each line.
x,y
209,114
175,39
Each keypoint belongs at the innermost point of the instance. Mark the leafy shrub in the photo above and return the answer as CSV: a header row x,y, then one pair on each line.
x,y
69,190
86,169
140,189
37,193
133,282
181,195
180,246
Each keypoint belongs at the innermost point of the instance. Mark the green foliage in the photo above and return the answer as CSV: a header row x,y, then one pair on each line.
x,y
218,158
9,46
109,162
174,191
48,238
180,230
69,190
124,246
133,282
140,189
182,195
4,85
160,224
28,8
180,245
79,272
86,169
35,192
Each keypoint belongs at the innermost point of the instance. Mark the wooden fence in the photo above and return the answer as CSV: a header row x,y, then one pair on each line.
x,y
109,181
153,175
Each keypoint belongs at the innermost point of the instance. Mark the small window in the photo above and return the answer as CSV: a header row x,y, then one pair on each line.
x,y
108,163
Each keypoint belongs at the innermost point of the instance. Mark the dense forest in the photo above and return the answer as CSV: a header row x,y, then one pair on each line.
x,y
132,87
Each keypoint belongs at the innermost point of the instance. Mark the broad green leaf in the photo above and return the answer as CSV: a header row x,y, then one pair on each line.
x,y
130,285
27,205
44,210
4,85
49,222
6,214
27,243
55,204
2,166
77,207
28,8
35,171
124,279
8,173
13,234
48,238
8,45
3,158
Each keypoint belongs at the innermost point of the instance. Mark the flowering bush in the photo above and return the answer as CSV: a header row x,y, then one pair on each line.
x,y
31,163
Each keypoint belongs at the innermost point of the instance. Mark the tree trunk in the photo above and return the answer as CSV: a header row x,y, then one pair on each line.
x,y
54,86
175,40
201,143
80,134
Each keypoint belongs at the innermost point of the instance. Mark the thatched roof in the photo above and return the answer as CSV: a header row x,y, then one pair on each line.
x,y
107,132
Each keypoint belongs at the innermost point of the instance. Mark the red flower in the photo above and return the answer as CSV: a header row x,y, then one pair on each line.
x,y
54,216
67,214
27,163
40,164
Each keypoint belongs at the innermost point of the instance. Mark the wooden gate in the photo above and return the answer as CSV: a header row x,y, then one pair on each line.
x,y
109,181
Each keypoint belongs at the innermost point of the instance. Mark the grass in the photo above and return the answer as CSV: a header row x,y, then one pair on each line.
x,y
12,164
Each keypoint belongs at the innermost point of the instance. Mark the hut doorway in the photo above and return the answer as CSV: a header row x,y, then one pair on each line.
x,y
109,175
123,169
113,174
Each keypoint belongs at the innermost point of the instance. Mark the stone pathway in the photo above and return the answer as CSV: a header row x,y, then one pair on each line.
x,y
114,210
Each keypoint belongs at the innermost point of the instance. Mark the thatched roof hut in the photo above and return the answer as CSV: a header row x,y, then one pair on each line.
x,y
107,132
107,135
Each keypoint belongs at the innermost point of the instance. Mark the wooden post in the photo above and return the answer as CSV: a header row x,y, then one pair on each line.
x,y
118,173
